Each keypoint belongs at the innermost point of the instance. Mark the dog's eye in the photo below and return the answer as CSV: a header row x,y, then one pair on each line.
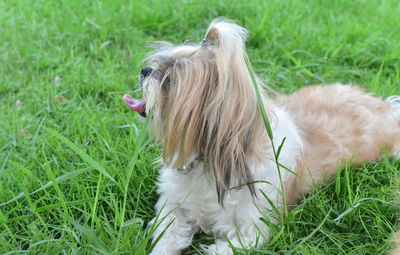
x,y
146,71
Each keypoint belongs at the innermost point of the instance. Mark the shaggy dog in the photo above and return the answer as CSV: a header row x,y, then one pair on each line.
x,y
219,161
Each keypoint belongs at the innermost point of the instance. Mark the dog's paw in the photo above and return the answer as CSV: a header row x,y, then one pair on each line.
x,y
221,249
159,251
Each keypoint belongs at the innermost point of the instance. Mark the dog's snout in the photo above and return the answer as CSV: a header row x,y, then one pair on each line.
x,y
146,71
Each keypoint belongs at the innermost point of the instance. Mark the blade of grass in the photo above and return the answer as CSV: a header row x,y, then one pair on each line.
x,y
131,166
269,132
60,195
96,165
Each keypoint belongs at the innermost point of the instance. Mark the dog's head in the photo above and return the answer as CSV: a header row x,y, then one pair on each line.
x,y
202,103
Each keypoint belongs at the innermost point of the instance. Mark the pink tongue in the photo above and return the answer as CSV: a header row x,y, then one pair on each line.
x,y
138,105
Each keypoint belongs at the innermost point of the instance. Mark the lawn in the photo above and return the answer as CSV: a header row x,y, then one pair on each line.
x,y
77,168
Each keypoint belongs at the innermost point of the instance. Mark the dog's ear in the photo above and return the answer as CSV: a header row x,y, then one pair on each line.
x,y
213,111
230,57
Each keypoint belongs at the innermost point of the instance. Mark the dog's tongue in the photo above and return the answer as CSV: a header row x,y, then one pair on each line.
x,y
138,105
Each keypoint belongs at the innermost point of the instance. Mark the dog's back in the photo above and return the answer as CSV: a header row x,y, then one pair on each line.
x,y
338,123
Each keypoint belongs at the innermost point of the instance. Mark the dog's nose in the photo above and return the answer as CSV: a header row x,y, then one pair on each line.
x,y
146,71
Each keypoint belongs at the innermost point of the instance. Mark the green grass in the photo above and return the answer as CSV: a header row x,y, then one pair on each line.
x,y
78,175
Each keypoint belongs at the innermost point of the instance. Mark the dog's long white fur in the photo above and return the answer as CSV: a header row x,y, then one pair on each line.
x,y
192,199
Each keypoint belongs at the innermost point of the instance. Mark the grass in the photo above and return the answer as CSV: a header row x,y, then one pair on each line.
x,y
77,172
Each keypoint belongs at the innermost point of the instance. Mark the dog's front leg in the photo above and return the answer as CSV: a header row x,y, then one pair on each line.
x,y
174,231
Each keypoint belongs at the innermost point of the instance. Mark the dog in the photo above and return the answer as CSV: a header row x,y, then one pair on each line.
x,y
220,171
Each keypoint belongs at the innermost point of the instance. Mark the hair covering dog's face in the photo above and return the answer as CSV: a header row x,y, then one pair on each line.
x,y
202,103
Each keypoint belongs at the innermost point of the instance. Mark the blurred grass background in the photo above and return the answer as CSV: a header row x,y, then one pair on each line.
x,y
66,64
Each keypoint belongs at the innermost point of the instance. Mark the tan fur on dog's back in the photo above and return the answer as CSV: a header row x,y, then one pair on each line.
x,y
338,123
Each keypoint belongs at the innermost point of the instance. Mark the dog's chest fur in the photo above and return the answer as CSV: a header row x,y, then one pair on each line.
x,y
194,193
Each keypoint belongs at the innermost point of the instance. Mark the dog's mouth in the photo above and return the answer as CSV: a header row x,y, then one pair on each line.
x,y
138,105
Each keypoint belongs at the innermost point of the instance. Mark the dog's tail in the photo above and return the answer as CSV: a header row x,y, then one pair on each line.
x,y
395,101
